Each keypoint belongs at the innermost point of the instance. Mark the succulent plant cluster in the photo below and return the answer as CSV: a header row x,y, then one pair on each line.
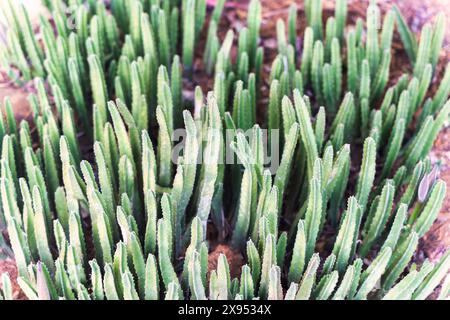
x,y
123,219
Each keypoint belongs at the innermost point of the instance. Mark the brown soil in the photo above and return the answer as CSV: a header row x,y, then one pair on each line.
x,y
235,259
18,98
9,266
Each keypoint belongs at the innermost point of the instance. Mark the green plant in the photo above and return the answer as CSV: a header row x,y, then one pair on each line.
x,y
126,220
6,290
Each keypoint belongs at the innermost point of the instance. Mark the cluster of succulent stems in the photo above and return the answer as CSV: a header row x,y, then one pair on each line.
x,y
115,217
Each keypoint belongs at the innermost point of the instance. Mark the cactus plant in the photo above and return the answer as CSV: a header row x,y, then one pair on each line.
x,y
131,221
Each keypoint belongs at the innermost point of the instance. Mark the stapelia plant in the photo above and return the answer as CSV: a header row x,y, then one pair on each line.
x,y
6,290
118,216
